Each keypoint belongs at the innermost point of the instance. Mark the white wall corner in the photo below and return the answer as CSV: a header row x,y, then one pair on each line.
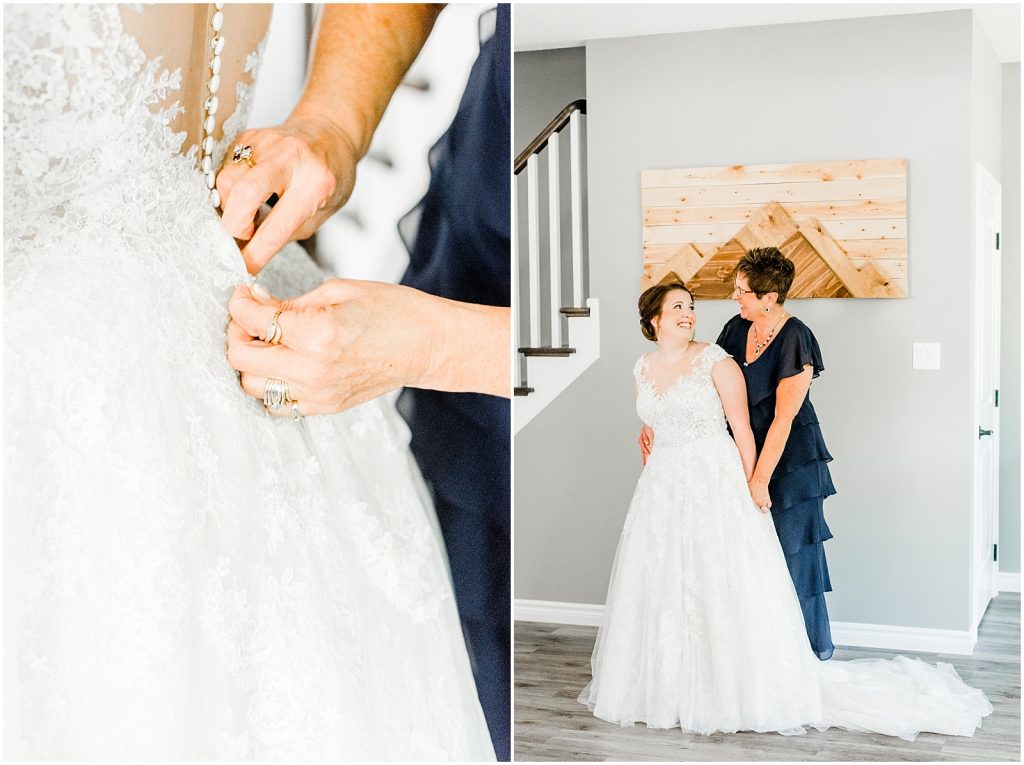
x,y
849,634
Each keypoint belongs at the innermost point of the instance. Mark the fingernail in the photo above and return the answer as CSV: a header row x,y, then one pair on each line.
x,y
260,290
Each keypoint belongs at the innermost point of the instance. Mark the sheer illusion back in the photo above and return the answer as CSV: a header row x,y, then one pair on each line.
x,y
95,93
184,576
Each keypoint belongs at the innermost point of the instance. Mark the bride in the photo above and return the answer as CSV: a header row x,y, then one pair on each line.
x,y
703,628
184,576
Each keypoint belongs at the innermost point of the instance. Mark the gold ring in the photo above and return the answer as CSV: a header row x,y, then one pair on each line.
x,y
243,154
274,332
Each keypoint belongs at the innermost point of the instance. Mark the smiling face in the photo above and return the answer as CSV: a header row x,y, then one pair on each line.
x,y
749,303
677,319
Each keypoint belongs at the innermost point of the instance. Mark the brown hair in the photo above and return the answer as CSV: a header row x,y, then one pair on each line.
x,y
767,270
650,302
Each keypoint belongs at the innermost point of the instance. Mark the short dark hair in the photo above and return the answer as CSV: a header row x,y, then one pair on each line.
x,y
767,270
651,299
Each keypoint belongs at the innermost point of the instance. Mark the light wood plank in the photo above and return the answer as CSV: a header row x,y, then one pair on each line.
x,y
771,226
865,229
891,267
715,232
552,664
685,261
875,189
856,249
862,249
860,209
835,258
801,171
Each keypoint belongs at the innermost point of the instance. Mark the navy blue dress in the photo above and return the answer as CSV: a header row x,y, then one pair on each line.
x,y
801,480
459,248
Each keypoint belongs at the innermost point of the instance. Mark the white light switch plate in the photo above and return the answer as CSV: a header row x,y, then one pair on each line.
x,y
926,355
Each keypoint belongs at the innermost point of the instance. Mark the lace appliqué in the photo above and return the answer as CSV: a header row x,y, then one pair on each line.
x,y
689,409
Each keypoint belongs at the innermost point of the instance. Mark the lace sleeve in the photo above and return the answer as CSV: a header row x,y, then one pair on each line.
x,y
639,367
711,356
715,353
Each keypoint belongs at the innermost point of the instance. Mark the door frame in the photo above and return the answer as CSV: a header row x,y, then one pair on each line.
x,y
983,569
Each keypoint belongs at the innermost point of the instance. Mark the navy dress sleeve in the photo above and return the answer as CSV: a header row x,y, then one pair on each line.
x,y
798,348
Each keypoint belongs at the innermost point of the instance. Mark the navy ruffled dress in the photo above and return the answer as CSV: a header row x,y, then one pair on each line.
x,y
801,480
459,242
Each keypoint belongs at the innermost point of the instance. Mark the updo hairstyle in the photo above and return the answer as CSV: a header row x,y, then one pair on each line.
x,y
651,300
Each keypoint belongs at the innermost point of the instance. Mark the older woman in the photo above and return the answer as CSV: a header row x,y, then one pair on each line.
x,y
779,356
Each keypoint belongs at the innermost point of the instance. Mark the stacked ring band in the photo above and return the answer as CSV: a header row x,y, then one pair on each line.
x,y
275,394
274,333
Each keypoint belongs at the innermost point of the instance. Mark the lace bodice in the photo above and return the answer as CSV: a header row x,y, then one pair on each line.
x,y
186,578
689,409
96,95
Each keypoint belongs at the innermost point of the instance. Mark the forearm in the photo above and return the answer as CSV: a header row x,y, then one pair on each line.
x,y
748,450
470,349
771,453
362,52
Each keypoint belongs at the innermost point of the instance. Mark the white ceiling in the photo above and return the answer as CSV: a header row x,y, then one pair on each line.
x,y
538,26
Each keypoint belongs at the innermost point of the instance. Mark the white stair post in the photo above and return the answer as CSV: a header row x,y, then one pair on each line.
x,y
533,227
576,196
555,241
515,281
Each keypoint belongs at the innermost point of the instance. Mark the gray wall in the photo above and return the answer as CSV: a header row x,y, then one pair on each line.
x,y
545,83
1009,402
897,86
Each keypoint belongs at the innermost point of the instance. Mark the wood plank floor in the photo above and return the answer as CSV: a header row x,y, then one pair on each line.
x,y
552,664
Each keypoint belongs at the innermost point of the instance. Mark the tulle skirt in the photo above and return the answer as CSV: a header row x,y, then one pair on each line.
x,y
703,627
186,577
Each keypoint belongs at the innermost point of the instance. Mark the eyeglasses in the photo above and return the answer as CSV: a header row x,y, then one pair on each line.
x,y
736,290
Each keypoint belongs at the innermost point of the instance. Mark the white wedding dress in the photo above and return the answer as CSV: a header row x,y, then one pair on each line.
x,y
184,576
702,626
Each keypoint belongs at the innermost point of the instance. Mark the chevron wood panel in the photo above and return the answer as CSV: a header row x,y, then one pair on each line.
x,y
844,225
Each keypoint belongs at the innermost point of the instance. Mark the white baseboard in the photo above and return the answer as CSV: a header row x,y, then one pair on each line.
x,y
553,612
890,638
1008,581
849,634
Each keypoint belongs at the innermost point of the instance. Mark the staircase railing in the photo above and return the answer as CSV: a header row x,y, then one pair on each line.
x,y
548,144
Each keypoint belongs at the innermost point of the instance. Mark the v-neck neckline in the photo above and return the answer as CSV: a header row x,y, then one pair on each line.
x,y
775,339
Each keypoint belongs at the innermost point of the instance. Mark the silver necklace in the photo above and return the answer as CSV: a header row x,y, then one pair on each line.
x,y
758,345
212,102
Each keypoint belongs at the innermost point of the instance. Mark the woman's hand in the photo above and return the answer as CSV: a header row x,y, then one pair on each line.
x,y
646,441
342,344
349,341
309,163
759,493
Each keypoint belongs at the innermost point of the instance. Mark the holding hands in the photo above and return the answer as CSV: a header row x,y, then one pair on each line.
x,y
758,488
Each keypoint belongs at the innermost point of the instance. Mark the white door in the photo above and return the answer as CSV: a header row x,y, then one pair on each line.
x,y
987,205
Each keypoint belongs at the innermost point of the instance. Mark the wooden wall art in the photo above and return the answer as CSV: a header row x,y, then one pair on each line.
x,y
844,225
